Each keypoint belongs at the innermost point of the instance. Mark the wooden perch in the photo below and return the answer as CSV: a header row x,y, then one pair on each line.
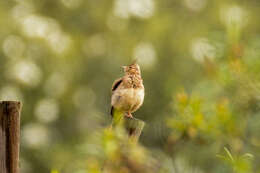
x,y
134,127
9,136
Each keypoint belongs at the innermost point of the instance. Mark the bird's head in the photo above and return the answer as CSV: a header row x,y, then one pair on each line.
x,y
132,69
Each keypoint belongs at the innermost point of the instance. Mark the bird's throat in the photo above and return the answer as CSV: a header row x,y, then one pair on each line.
x,y
136,81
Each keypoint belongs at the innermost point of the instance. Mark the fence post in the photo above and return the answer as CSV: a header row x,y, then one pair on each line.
x,y
9,136
134,127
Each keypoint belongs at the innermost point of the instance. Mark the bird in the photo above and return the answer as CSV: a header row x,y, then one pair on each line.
x,y
127,92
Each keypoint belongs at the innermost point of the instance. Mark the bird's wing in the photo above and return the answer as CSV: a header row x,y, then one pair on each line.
x,y
116,84
114,87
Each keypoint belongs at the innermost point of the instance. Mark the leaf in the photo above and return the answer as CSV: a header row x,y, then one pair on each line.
x,y
229,154
248,155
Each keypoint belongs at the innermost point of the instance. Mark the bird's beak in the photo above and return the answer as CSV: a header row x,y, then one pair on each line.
x,y
124,67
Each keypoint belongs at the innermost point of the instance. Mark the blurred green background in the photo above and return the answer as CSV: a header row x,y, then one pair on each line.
x,y
200,62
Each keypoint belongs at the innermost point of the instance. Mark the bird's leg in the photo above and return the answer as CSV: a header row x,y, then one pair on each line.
x,y
129,114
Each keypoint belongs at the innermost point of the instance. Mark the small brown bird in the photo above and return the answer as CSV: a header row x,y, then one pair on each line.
x,y
128,91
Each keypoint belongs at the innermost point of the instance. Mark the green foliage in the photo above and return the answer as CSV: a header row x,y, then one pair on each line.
x,y
239,164
118,153
117,117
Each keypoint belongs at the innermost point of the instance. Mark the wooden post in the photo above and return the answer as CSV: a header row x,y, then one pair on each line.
x,y
134,127
9,136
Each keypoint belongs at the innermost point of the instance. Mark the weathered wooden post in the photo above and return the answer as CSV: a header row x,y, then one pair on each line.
x,y
134,127
9,136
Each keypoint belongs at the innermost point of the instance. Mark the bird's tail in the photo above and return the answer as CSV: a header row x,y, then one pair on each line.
x,y
112,111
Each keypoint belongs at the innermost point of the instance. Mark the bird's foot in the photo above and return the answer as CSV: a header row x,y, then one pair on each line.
x,y
129,115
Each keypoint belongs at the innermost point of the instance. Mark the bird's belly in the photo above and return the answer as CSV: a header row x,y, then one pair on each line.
x,y
128,99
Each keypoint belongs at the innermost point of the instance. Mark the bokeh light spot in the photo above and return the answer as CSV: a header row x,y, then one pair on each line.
x,y
233,15
195,5
137,8
71,3
21,10
13,46
47,110
26,72
145,54
201,49
121,8
141,8
47,29
58,41
35,135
